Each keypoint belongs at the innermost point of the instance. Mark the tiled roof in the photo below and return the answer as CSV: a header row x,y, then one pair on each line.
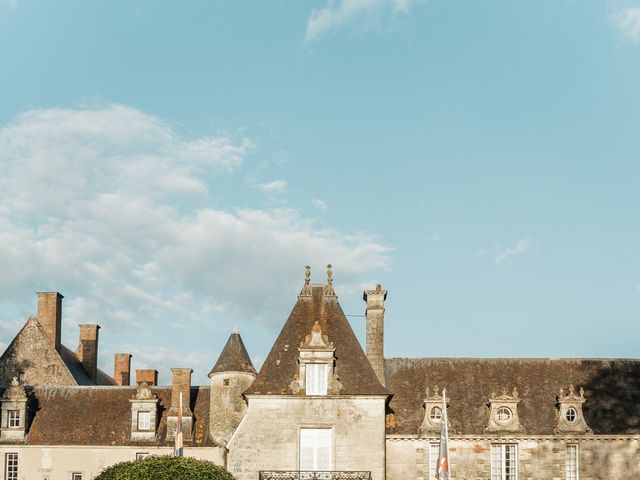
x,y
234,357
102,415
612,391
352,366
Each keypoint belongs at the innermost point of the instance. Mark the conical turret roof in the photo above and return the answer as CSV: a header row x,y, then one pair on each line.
x,y
234,357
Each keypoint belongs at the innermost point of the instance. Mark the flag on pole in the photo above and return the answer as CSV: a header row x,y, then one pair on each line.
x,y
442,467
177,449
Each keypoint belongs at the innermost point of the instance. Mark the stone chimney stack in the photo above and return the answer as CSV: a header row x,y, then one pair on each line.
x,y
87,351
50,315
148,375
122,369
180,384
375,329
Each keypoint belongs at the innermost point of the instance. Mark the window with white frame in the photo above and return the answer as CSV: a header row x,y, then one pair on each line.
x,y
76,476
504,462
315,449
11,466
144,420
572,463
316,379
14,419
434,451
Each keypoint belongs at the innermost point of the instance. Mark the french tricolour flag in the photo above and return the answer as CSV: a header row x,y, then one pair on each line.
x,y
178,449
442,468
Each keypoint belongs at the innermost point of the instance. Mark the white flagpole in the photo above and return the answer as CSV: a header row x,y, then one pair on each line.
x,y
445,419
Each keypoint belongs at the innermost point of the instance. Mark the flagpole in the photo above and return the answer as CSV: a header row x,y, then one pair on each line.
x,y
445,419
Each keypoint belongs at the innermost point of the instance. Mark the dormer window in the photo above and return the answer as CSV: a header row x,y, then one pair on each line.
x,y
316,379
503,412
316,366
144,421
570,418
14,419
432,420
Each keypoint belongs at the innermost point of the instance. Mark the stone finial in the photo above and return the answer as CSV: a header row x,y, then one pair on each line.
x,y
14,391
306,289
582,392
328,289
235,331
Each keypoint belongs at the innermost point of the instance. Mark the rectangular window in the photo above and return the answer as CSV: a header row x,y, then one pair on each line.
x,y
141,455
572,462
316,381
11,466
14,419
315,449
434,451
504,462
144,420
76,476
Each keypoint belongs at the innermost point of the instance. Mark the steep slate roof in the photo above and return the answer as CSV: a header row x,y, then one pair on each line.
x,y
234,357
352,366
612,391
102,415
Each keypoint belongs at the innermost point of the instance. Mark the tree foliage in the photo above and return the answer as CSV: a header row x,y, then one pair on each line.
x,y
165,468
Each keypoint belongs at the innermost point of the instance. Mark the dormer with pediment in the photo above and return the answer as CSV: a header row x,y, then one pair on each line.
x,y
570,418
503,412
316,373
432,421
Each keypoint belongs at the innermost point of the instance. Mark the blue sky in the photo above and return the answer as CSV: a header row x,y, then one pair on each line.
x,y
170,167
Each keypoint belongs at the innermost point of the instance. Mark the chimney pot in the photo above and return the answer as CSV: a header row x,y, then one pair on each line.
x,y
50,315
148,375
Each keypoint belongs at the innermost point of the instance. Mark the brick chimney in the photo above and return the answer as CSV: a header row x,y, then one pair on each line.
x,y
122,368
50,315
147,375
87,351
375,329
180,384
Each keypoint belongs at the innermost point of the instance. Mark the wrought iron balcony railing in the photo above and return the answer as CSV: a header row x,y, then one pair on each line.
x,y
295,475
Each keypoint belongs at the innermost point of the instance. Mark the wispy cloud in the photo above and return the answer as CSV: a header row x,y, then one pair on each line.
x,y
337,14
320,204
276,186
523,246
627,20
433,237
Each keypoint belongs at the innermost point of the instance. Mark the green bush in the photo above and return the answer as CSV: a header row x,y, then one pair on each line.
x,y
165,468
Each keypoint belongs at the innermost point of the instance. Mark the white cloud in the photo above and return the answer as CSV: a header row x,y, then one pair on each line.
x,y
627,21
276,186
523,246
320,204
113,208
433,237
338,13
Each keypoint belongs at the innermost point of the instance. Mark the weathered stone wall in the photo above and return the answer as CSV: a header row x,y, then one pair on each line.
x,y
227,406
268,436
58,463
542,458
33,352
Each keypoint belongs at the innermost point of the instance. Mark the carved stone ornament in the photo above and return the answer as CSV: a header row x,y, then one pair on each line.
x,y
328,290
306,289
570,418
503,412
316,349
432,411
143,392
14,391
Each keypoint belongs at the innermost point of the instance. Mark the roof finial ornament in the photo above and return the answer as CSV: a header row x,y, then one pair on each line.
x,y
582,392
328,289
235,331
306,289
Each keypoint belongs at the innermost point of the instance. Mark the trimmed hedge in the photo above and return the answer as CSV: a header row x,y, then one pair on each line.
x,y
165,468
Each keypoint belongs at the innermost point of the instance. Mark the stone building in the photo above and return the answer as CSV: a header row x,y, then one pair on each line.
x,y
318,404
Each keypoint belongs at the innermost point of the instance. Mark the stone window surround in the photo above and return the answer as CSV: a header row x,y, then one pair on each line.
x,y
497,404
572,401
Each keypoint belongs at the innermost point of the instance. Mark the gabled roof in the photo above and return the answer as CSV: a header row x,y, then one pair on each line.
x,y
31,350
612,391
234,357
352,365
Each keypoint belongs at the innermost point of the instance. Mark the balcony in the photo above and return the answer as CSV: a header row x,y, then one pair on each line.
x,y
296,475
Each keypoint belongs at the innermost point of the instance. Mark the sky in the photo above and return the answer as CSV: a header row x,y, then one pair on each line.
x,y
171,167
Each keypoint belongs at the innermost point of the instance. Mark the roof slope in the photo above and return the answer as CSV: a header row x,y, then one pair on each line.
x,y
352,365
612,391
234,357
102,415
